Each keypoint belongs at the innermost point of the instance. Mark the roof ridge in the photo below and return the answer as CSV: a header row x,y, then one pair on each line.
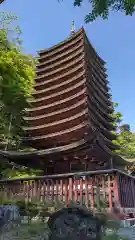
x,y
60,43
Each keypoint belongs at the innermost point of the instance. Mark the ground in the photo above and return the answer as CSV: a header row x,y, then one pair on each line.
x,y
128,233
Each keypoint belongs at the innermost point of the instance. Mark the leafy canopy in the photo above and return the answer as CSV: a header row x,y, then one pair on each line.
x,y
125,138
101,8
16,80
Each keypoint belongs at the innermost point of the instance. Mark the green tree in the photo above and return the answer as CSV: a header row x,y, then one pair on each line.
x,y
125,138
126,142
16,81
117,116
101,8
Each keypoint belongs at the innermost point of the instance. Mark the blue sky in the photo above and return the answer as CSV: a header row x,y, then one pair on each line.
x,y
46,22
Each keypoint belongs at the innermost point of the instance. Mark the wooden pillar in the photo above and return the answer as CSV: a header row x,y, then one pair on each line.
x,y
81,190
86,191
116,190
128,192
61,190
75,189
70,189
92,192
109,192
123,191
44,191
26,191
35,189
66,191
103,187
120,190
97,197
133,191
48,189
57,190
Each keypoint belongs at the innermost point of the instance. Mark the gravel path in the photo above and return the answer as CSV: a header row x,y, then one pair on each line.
x,y
129,233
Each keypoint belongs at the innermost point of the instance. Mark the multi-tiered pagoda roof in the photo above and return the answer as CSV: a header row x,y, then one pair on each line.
x,y
70,112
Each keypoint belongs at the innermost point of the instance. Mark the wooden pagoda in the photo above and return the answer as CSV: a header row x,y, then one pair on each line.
x,y
69,119
69,126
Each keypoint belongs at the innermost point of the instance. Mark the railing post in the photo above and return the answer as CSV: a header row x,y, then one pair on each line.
x,y
61,190
81,190
66,187
116,188
133,191
66,191
75,189
86,189
91,192
109,192
70,189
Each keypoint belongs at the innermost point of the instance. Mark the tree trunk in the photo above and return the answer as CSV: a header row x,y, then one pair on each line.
x,y
9,129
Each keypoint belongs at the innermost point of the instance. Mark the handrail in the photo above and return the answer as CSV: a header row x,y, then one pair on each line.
x,y
65,175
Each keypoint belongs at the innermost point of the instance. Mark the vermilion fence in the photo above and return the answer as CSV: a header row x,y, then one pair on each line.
x,y
112,187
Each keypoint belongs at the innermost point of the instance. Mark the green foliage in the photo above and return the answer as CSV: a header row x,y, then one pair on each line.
x,y
45,209
19,173
125,139
101,8
34,208
16,81
113,236
116,116
32,231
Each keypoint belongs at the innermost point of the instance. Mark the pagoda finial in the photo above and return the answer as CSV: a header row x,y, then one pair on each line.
x,y
73,27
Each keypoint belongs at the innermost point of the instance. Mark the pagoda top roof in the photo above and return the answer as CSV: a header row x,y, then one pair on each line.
x,y
62,42
68,39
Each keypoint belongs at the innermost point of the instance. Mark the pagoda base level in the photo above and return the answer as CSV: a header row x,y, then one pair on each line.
x,y
111,189
73,165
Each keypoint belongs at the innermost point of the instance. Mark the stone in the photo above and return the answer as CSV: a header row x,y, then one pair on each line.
x,y
74,223
9,213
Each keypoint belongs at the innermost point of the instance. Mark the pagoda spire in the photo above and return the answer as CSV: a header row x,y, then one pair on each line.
x,y
73,27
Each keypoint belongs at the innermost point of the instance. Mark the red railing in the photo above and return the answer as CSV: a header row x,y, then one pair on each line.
x,y
112,187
